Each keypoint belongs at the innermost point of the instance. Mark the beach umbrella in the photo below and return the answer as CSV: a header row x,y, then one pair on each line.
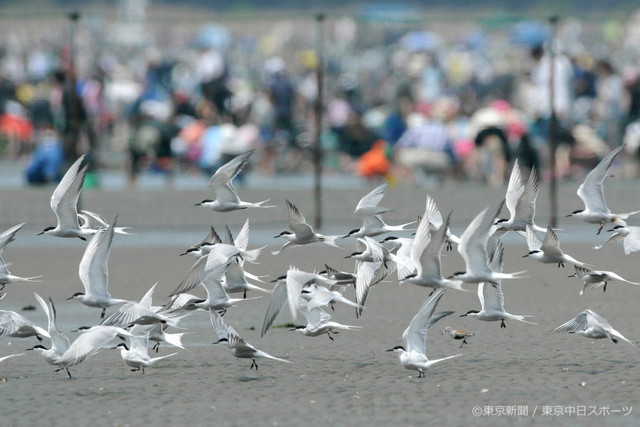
x,y
416,41
212,37
529,33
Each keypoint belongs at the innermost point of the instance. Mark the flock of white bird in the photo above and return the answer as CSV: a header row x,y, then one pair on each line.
x,y
220,270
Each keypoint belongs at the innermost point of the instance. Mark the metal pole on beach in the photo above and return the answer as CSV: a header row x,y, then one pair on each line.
x,y
319,107
74,122
553,127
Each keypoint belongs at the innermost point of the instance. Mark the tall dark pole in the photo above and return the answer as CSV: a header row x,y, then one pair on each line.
x,y
553,126
73,127
319,107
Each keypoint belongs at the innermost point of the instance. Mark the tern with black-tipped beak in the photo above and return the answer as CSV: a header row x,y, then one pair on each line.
x,y
220,255
297,288
94,272
319,322
238,347
5,275
521,203
369,250
59,341
15,325
301,232
217,298
136,354
627,234
433,216
370,214
221,182
597,278
425,255
158,335
548,251
93,221
473,248
413,355
591,192
64,203
88,343
139,313
590,324
490,293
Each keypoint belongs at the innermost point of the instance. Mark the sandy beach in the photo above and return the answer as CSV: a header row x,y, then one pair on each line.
x,y
517,375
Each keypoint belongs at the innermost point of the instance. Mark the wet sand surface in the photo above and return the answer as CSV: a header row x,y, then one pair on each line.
x,y
517,375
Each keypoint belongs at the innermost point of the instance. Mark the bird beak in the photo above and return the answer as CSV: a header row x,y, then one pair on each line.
x,y
573,275
566,216
390,349
525,255
69,298
463,315
609,231
183,253
42,232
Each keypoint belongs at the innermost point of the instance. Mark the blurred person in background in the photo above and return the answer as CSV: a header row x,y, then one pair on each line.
x,y
150,140
283,97
609,102
71,121
46,162
214,87
424,153
540,100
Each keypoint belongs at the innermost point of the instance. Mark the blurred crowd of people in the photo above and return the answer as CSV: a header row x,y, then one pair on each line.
x,y
419,106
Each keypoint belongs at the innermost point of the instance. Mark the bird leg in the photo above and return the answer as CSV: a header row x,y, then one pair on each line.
x,y
421,374
244,294
330,337
615,341
68,373
561,264
39,337
222,312
253,363
449,246
502,325
601,227
156,347
104,311
604,289
463,343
